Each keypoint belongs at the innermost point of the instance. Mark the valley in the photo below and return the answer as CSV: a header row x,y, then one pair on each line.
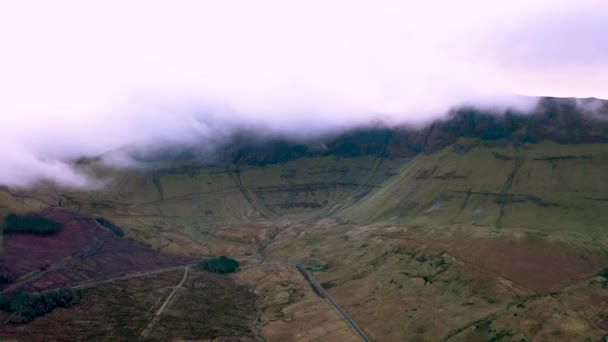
x,y
492,233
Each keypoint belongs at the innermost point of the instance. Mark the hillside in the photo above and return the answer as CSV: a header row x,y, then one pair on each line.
x,y
545,172
544,186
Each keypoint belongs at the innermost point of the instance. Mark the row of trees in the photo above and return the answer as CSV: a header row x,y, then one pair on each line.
x,y
29,224
219,265
23,307
116,230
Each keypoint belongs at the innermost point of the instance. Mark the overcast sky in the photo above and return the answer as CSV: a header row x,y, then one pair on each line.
x,y
84,77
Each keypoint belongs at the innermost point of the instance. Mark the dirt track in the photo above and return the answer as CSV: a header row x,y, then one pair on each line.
x,y
88,284
156,317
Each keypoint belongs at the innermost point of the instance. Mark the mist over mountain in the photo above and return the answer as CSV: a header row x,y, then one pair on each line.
x,y
562,120
160,75
213,141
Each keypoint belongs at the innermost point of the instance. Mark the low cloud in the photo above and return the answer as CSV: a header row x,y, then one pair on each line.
x,y
82,79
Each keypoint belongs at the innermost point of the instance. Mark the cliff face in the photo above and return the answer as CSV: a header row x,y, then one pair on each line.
x,y
565,121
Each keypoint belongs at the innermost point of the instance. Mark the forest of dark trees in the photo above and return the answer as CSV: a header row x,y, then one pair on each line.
x,y
24,307
6,276
219,265
29,224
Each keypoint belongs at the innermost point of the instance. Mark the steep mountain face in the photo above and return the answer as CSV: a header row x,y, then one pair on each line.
x,y
546,171
565,121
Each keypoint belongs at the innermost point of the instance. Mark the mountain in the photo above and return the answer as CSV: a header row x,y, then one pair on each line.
x,y
463,229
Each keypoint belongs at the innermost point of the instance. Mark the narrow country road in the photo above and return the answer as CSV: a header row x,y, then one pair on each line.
x,y
156,317
319,288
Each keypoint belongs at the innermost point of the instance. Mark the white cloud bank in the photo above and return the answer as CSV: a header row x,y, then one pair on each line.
x,y
84,77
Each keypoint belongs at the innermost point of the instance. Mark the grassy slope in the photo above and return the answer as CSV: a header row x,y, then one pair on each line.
x,y
181,207
547,187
